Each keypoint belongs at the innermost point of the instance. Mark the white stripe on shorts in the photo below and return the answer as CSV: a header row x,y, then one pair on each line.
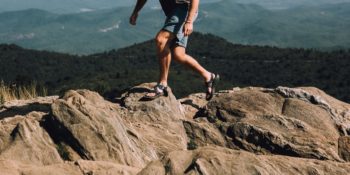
x,y
183,1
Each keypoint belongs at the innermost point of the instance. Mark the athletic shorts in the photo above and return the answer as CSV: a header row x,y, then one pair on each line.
x,y
174,23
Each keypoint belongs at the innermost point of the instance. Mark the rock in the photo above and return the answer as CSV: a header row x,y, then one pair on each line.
x,y
37,100
344,148
240,131
199,131
9,167
105,168
194,105
159,121
94,129
23,139
340,111
54,169
218,160
203,133
264,121
81,167
23,107
154,168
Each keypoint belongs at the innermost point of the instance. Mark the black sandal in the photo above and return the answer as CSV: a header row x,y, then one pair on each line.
x,y
211,84
159,91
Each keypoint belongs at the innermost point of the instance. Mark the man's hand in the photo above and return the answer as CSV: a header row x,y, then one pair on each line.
x,y
188,28
135,13
133,18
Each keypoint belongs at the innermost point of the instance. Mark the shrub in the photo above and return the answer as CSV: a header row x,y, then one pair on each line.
x,y
22,92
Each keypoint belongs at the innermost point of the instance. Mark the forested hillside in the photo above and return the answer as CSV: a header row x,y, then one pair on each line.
x,y
238,65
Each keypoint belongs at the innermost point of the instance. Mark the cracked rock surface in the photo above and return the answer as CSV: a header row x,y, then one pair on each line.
x,y
240,131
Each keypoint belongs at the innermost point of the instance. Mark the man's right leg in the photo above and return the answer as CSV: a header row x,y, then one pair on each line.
x,y
163,40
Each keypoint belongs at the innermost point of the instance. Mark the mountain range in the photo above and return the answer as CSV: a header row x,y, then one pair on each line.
x,y
74,6
70,6
60,6
322,27
286,4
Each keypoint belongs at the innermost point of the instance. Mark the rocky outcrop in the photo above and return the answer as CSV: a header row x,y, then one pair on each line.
x,y
23,107
283,121
24,140
240,131
344,148
219,160
159,122
81,167
94,129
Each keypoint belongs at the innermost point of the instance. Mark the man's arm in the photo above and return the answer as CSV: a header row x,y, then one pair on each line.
x,y
193,10
135,13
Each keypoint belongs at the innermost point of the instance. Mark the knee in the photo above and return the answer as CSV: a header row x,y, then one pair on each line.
x,y
161,39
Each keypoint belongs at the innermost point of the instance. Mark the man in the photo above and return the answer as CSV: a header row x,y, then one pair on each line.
x,y
171,42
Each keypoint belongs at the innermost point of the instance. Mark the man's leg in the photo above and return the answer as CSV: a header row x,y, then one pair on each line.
x,y
163,39
179,54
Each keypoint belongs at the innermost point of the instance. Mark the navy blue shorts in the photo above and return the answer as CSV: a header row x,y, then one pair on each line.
x,y
174,23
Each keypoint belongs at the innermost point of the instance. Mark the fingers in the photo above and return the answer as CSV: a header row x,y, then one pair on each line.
x,y
133,19
188,29
188,32
132,22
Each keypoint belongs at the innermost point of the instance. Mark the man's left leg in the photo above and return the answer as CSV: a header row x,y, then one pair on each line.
x,y
179,54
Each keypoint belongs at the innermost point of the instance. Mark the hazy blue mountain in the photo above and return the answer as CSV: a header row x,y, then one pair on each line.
x,y
71,6
309,27
61,6
324,26
285,4
89,32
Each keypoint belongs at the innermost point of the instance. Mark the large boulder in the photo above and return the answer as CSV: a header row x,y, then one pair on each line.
x,y
21,136
158,121
81,167
10,167
105,168
344,148
299,122
94,129
24,140
23,107
219,160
